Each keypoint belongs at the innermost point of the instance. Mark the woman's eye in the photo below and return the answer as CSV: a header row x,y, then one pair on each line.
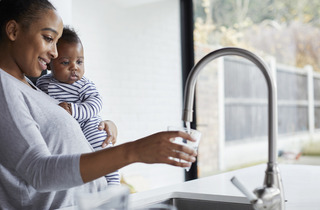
x,y
48,38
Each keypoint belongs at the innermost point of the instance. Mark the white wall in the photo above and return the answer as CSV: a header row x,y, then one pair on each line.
x,y
64,7
132,53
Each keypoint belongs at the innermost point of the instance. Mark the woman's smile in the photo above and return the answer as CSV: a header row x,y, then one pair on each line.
x,y
43,63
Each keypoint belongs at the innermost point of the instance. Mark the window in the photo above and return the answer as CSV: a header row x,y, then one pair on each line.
x,y
231,96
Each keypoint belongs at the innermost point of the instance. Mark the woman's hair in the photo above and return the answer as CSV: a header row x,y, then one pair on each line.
x,y
69,35
22,11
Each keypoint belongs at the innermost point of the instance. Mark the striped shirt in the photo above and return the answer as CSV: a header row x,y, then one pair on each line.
x,y
86,103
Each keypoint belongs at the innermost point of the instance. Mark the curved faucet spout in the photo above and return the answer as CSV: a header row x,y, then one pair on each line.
x,y
272,93
272,175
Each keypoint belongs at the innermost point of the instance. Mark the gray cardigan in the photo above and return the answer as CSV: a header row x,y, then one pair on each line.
x,y
40,147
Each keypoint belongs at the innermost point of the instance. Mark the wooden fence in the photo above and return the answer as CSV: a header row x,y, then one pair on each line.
x,y
245,99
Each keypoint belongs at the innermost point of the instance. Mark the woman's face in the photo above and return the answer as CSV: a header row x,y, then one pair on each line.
x,y
68,67
35,46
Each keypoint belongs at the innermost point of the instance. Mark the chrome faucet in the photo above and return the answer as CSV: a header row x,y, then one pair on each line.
x,y
271,195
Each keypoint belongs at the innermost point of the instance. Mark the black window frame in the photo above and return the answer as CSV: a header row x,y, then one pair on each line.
x,y
187,61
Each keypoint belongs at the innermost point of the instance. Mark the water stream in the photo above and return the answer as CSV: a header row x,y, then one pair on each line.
x,y
188,126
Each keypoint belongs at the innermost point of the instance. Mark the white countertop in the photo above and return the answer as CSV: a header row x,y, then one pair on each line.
x,y
301,187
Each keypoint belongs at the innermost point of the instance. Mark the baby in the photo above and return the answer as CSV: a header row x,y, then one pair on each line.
x,y
76,94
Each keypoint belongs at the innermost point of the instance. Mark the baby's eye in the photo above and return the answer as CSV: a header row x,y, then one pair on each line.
x,y
65,63
79,62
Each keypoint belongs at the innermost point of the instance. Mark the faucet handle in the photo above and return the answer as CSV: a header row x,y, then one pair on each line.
x,y
251,197
267,198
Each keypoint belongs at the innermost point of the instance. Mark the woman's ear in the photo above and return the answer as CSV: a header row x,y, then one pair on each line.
x,y
12,29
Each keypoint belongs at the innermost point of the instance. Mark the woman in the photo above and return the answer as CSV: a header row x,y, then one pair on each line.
x,y
44,156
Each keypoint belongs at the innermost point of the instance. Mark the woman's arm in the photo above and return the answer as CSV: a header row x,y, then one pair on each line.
x,y
156,148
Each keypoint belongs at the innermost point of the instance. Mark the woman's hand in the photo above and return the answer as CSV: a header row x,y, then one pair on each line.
x,y
159,148
112,132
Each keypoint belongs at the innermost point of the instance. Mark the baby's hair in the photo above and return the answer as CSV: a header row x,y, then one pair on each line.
x,y
69,35
22,11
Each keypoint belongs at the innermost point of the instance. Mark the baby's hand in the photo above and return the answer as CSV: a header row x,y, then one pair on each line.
x,y
66,106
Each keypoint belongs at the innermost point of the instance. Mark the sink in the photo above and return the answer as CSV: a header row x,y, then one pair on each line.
x,y
192,201
192,204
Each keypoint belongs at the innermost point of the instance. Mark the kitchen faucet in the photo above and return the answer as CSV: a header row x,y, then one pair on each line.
x,y
271,195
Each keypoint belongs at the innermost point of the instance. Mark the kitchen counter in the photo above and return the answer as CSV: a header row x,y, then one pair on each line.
x,y
301,187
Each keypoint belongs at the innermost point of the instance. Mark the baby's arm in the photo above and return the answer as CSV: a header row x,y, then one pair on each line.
x,y
90,105
66,106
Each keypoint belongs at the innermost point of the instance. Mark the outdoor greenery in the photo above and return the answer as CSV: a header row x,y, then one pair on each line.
x,y
286,29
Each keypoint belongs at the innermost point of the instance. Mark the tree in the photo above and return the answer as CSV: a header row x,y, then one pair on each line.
x,y
286,29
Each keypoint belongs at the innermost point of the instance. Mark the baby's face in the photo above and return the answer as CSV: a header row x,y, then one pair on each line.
x,y
68,67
